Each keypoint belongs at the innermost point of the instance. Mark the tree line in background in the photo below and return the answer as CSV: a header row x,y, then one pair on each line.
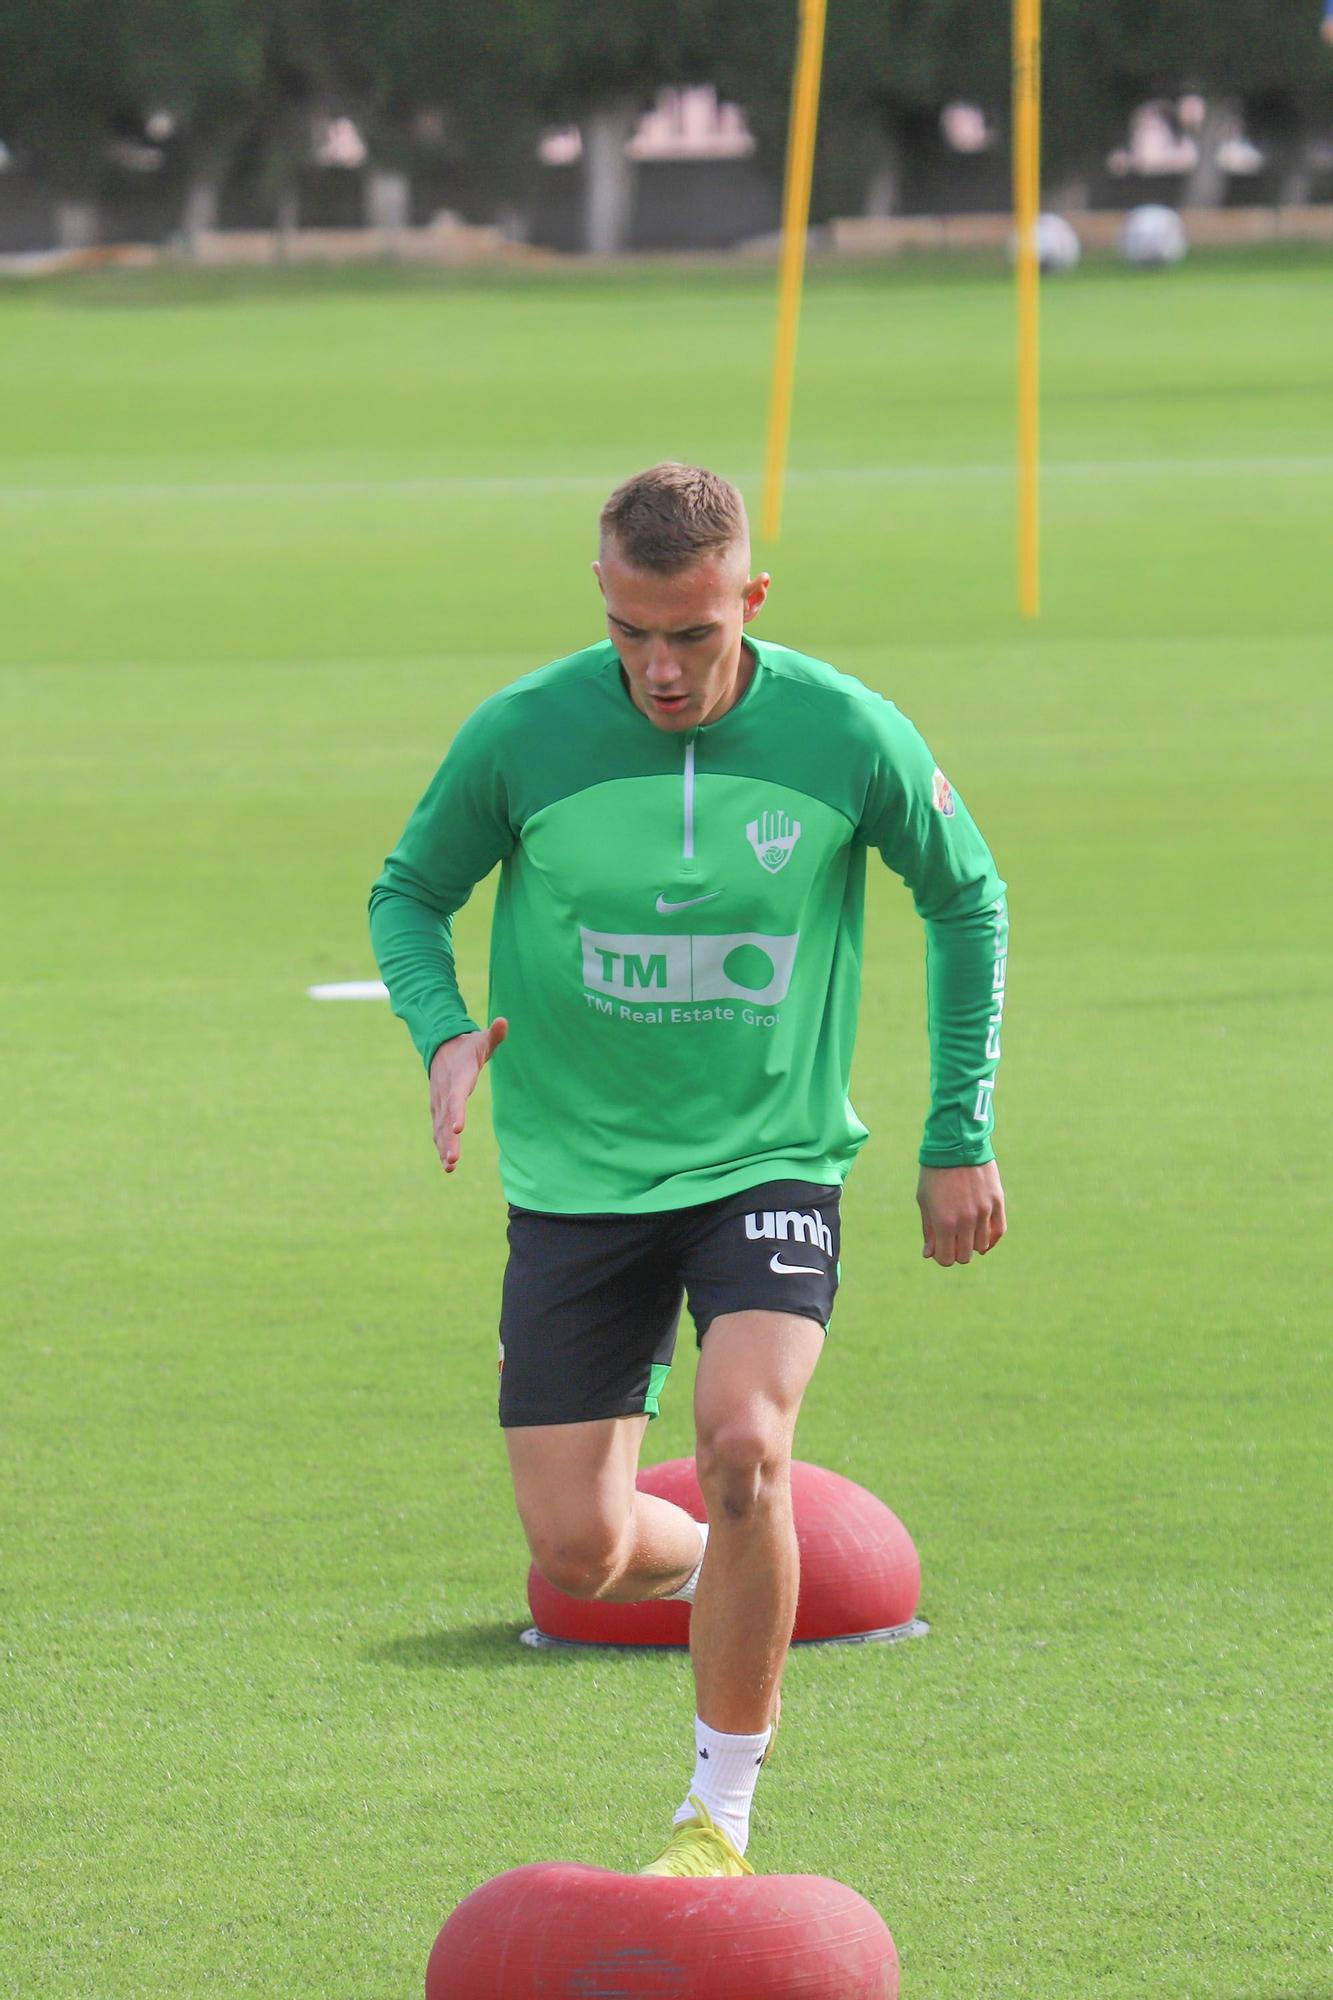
x,y
236,85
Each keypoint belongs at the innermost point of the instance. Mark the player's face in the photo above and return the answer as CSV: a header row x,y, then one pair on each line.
x,y
679,636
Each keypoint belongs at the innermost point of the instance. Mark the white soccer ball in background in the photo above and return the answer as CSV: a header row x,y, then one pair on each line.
x,y
1153,234
1058,247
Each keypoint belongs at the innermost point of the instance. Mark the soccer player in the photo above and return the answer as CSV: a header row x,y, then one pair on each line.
x,y
682,814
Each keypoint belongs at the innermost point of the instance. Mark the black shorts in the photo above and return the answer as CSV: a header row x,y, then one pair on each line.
x,y
588,1318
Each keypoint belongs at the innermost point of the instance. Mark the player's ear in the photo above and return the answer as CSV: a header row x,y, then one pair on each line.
x,y
754,594
597,572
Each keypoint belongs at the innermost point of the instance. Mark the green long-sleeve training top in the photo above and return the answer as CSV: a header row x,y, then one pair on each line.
x,y
677,936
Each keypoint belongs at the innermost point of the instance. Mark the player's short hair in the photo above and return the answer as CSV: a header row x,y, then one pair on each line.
x,y
672,516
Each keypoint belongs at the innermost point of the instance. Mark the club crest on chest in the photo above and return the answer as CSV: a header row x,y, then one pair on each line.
x,y
773,836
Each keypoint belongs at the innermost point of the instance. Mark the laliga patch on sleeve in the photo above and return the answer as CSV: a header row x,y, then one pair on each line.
x,y
943,794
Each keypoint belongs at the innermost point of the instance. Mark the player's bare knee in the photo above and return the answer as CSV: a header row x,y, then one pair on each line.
x,y
576,1569
744,1465
582,1562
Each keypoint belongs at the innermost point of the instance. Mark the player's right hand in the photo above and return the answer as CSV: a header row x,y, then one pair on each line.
x,y
454,1069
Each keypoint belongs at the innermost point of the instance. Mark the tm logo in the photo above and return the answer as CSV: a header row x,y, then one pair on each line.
x,y
744,965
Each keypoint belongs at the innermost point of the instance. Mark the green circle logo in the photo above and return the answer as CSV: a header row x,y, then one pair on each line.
x,y
749,967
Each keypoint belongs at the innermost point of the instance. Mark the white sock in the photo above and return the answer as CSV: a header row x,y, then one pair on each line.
x,y
726,1771
685,1595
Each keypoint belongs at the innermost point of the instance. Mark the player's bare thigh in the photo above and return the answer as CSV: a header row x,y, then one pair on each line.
x,y
574,1485
754,1370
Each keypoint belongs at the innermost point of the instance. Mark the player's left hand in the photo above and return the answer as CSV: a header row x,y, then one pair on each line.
x,y
962,1210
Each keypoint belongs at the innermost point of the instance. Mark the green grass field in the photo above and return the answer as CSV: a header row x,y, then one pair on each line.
x,y
263,544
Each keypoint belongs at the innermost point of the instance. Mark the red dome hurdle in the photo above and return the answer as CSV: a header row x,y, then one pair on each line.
x,y
860,1573
554,1931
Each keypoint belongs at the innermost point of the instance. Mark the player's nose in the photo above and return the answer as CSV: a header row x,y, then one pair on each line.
x,y
661,668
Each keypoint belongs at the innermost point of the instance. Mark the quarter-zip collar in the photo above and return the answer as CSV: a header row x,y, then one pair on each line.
x,y
690,738
691,741
687,846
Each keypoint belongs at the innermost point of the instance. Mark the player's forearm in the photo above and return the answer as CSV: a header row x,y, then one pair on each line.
x,y
966,962
414,951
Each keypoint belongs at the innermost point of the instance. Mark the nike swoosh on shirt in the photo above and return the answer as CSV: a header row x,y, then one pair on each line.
x,y
665,909
775,1263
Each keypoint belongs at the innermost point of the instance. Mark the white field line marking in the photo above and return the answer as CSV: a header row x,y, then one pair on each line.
x,y
539,485
350,989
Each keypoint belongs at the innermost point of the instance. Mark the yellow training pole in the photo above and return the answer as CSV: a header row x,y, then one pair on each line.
x,y
1027,197
795,220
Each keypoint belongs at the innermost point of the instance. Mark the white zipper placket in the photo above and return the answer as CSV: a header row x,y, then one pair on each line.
x,y
687,849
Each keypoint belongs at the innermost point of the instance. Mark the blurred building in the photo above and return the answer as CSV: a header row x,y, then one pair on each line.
x,y
695,177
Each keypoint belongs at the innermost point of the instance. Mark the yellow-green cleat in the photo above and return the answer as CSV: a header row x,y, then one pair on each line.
x,y
698,1847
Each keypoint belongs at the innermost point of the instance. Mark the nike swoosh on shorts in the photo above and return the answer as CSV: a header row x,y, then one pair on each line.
x,y
665,909
775,1263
